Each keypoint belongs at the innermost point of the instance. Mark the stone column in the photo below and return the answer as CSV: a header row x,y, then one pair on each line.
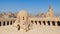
x,y
38,23
5,23
42,23
51,23
1,23
9,22
55,23
46,23
34,22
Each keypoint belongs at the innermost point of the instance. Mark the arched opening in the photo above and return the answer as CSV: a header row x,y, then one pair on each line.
x,y
14,21
48,22
40,22
23,18
44,23
0,23
58,23
31,21
7,22
10,22
53,23
18,27
3,23
29,26
36,22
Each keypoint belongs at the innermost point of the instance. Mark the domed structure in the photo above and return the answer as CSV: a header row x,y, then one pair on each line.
x,y
23,12
22,20
22,15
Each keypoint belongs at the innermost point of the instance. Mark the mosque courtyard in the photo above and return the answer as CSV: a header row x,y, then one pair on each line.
x,y
37,30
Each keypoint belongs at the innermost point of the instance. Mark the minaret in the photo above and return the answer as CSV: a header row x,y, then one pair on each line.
x,y
50,12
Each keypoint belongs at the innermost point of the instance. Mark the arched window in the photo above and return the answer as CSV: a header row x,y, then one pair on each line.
x,y
0,23
18,27
7,22
48,22
23,18
44,23
29,26
31,21
36,22
14,21
3,23
10,22
40,22
58,23
53,23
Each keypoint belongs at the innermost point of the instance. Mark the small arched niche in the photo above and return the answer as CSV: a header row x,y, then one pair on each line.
x,y
18,27
53,23
48,22
40,22
44,23
0,23
32,21
3,23
58,23
35,21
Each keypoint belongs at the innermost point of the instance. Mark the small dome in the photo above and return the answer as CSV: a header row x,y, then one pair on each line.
x,y
22,12
22,16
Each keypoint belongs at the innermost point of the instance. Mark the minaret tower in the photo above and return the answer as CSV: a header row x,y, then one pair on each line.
x,y
50,12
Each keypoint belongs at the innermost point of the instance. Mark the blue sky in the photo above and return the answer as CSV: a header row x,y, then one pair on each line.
x,y
31,6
